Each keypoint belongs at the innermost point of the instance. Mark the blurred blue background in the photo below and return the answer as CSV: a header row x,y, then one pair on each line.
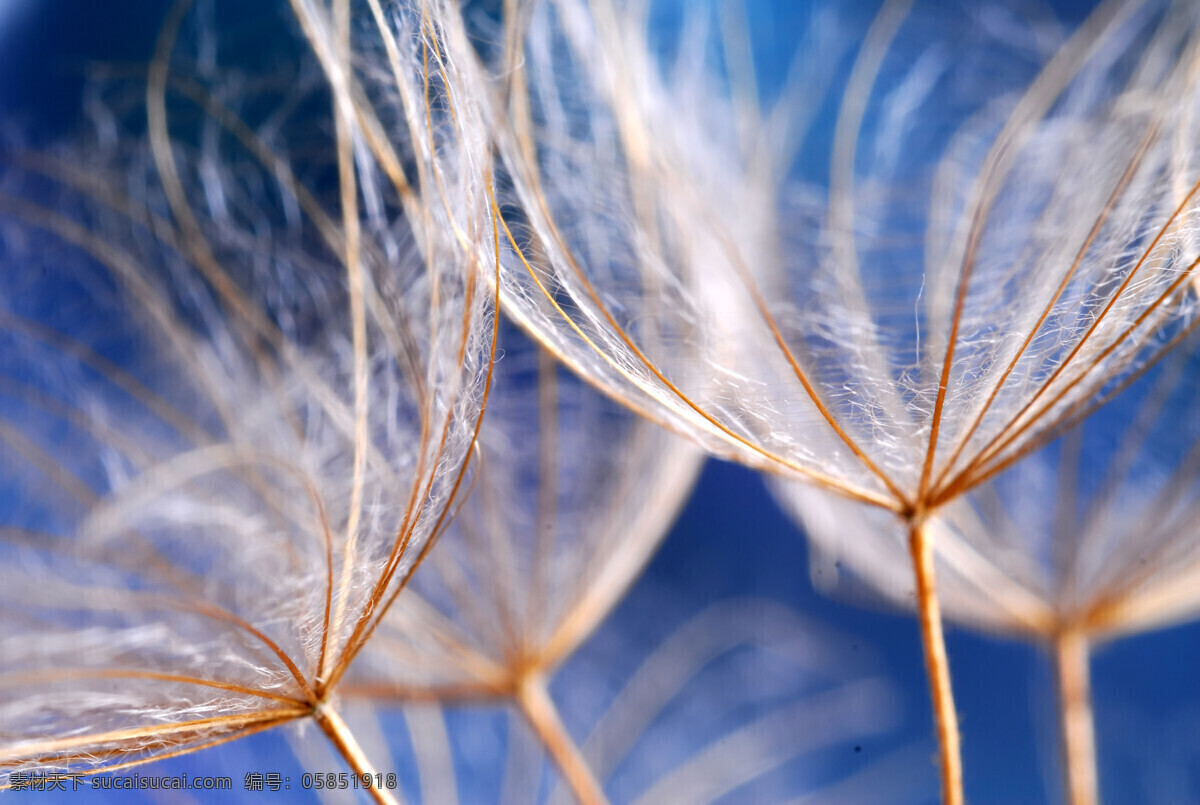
x,y
731,540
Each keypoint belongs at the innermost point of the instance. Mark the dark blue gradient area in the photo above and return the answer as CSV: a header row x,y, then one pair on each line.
x,y
48,47
730,541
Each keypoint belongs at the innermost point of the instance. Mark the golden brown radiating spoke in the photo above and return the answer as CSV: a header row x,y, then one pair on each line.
x,y
301,430
1051,279
245,403
572,494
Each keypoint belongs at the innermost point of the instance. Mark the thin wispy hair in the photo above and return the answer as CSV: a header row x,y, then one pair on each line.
x,y
645,220
1094,531
571,497
682,727
893,357
238,404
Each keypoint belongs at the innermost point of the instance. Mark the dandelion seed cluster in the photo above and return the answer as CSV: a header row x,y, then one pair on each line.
x,y
356,357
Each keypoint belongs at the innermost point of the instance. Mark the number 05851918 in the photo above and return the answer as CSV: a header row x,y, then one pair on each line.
x,y
342,780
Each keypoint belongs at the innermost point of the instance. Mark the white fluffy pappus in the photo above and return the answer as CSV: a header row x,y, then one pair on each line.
x,y
246,356
1004,238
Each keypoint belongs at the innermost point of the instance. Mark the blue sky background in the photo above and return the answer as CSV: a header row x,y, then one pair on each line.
x,y
732,541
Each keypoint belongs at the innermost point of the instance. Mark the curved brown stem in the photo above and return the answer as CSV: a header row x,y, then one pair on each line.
x,y
937,666
1071,657
539,710
339,734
